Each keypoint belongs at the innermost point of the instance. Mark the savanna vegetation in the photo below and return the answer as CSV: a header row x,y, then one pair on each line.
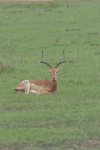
x,y
71,119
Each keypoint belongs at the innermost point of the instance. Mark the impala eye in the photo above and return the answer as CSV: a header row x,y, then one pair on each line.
x,y
50,72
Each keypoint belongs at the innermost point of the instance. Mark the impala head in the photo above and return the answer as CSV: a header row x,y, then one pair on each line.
x,y
53,71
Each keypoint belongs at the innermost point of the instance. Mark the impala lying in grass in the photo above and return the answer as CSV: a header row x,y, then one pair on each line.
x,y
40,86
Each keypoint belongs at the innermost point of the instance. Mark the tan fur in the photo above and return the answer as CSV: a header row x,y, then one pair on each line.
x,y
39,86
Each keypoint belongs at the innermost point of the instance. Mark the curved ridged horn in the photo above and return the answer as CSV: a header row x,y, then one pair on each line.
x,y
45,62
61,61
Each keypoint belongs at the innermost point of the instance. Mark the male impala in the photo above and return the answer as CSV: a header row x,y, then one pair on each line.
x,y
39,86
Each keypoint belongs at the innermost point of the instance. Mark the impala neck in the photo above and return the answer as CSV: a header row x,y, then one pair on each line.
x,y
53,85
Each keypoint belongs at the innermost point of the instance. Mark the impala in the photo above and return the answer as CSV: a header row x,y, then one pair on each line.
x,y
40,86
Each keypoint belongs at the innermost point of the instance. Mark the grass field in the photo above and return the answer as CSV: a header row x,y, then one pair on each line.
x,y
71,119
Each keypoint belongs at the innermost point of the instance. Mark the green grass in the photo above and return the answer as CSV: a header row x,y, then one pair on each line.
x,y
71,119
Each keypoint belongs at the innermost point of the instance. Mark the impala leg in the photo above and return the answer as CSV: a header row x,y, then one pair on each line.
x,y
44,90
35,89
26,86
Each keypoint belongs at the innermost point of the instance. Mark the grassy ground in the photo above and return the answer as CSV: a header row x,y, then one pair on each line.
x,y
71,119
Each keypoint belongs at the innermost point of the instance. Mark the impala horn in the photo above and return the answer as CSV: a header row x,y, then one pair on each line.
x,y
61,61
45,62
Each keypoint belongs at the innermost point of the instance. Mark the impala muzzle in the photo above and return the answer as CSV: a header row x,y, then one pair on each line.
x,y
54,78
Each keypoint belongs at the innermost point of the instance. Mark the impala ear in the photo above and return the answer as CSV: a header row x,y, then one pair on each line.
x,y
57,69
49,68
